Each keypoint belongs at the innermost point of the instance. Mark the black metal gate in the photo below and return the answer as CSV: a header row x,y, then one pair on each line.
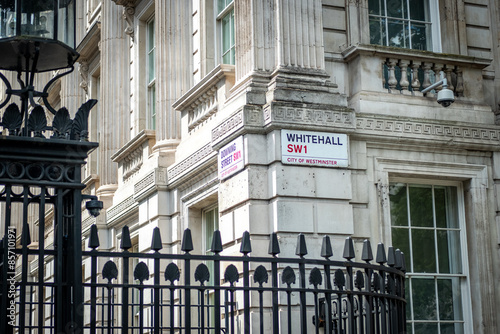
x,y
43,290
40,197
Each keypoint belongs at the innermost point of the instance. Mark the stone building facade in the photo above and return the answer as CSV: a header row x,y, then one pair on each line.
x,y
182,83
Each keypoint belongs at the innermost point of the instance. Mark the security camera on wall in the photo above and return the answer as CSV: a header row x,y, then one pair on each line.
x,y
445,96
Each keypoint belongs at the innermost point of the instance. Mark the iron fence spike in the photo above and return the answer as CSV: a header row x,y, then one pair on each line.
x,y
187,241
94,237
381,257
156,243
301,249
367,254
349,253
274,246
216,246
391,256
125,243
399,260
246,246
326,247
403,262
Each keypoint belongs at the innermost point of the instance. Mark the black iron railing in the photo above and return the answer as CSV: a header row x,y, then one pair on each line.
x,y
178,293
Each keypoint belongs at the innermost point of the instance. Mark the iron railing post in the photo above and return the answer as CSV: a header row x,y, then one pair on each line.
x,y
76,254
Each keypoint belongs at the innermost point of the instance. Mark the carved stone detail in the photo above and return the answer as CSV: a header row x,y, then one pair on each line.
x,y
430,129
192,160
342,117
132,163
156,178
203,108
228,125
120,207
84,73
128,15
144,183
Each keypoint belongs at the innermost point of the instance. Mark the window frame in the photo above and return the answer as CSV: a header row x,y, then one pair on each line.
x,y
150,81
220,15
434,20
204,212
464,277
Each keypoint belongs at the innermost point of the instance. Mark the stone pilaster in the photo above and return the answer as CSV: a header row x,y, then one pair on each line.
x,y
115,94
281,45
173,29
300,34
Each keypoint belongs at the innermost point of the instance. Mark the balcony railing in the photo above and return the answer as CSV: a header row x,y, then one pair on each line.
x,y
407,72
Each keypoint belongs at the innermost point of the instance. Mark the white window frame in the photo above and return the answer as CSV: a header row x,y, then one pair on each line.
x,y
219,16
151,83
465,276
204,212
433,19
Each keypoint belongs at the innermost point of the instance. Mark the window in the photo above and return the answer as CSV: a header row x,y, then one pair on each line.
x,y
411,24
426,225
210,224
225,20
151,76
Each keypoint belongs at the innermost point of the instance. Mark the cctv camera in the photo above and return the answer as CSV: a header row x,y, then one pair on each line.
x,y
445,97
94,207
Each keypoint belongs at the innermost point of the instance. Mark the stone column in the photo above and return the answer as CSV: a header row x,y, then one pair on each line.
x,y
173,29
114,96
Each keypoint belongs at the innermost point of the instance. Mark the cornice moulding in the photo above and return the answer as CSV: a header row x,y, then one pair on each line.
x,y
134,143
89,46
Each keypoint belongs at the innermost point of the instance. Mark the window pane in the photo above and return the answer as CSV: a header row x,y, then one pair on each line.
x,y
377,31
419,36
399,204
418,10
452,328
450,260
221,4
445,199
376,7
398,35
152,107
424,252
228,38
426,328
151,51
211,224
440,206
401,240
421,213
450,302
424,299
395,8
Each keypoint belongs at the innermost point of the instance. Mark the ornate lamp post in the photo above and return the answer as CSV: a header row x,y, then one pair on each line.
x,y
39,36
35,36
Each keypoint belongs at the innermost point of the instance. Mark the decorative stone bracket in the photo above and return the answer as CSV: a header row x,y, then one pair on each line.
x,y
128,15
